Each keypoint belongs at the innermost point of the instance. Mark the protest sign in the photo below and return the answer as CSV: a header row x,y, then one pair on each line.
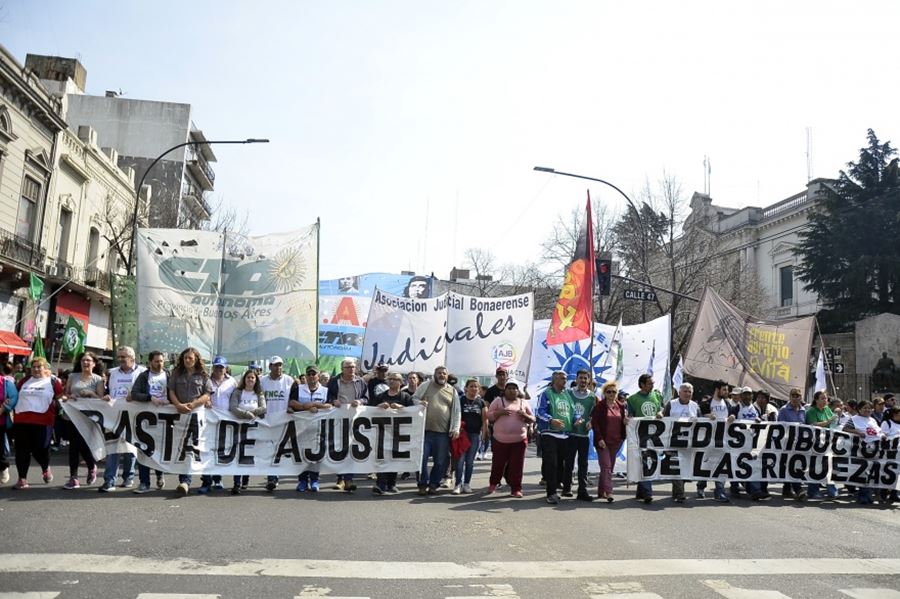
x,y
631,350
208,441
727,344
469,335
344,307
254,296
672,449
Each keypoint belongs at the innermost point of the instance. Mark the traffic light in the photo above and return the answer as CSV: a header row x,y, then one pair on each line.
x,y
604,275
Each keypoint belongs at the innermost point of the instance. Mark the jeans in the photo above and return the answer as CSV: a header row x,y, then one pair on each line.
x,y
112,466
241,481
466,462
208,480
720,487
813,490
386,480
308,476
644,489
185,478
144,474
436,446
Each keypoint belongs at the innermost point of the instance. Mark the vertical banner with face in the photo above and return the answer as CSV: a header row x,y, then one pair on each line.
x,y
731,345
469,335
344,306
243,296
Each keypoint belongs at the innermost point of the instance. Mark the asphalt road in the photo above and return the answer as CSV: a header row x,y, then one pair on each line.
x,y
83,544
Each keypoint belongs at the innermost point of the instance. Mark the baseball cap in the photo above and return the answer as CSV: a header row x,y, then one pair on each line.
x,y
220,361
311,369
736,391
512,384
381,368
275,360
746,390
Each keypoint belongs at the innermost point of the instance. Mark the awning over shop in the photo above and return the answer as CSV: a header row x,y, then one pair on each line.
x,y
10,343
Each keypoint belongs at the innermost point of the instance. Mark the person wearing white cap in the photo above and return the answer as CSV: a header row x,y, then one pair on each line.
x,y
276,388
222,385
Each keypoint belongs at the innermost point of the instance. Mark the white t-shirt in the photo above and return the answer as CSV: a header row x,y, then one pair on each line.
x,y
304,395
869,426
248,401
36,395
158,385
276,392
120,382
719,408
222,392
680,410
747,413
890,429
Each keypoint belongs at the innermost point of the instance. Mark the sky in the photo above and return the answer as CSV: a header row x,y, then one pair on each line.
x,y
411,127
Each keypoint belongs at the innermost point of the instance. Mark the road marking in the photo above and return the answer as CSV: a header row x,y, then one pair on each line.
x,y
618,590
872,593
488,590
38,595
307,568
311,590
729,592
177,596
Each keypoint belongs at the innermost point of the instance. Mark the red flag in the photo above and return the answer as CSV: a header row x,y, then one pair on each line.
x,y
572,317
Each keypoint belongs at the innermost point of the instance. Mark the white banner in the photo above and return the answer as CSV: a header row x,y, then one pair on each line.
x,y
635,350
249,297
681,449
341,440
469,335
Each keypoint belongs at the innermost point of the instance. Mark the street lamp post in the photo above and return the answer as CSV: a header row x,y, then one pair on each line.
x,y
137,192
637,213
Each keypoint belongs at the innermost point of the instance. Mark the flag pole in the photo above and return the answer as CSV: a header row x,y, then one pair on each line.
x,y
828,374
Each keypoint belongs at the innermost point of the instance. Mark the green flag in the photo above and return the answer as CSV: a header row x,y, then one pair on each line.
x,y
293,368
73,337
35,288
37,350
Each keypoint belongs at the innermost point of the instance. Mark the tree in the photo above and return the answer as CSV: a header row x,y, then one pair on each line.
x,y
849,252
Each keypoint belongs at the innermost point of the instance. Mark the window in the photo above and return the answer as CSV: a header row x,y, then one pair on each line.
x,y
31,194
787,285
62,238
93,248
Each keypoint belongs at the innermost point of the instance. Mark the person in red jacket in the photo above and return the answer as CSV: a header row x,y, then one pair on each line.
x,y
35,415
608,421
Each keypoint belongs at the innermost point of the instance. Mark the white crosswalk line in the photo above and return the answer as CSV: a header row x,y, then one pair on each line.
x,y
177,596
871,593
485,590
730,592
618,590
311,590
35,595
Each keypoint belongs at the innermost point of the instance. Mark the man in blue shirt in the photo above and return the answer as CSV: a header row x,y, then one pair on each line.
x,y
793,411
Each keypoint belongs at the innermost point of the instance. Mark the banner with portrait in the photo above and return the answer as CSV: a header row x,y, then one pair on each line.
x,y
732,346
344,307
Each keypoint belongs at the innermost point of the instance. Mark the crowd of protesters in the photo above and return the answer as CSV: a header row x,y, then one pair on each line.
x,y
461,423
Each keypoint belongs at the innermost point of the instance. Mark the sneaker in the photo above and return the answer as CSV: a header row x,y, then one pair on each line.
x,y
48,476
92,476
314,487
446,483
377,490
404,475
302,486
466,489
339,485
4,476
679,499
160,481
107,486
516,494
271,486
236,490
372,476
722,498
423,491
553,499
244,486
182,489
349,486
128,483
203,490
701,494
72,484
584,497
218,487
567,493
392,490
21,484
142,488
457,490
432,490
801,496
491,490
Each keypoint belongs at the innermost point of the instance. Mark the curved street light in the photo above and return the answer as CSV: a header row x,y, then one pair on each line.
x,y
140,185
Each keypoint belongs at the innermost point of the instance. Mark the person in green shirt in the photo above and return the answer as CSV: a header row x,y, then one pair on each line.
x,y
819,414
583,400
554,415
646,403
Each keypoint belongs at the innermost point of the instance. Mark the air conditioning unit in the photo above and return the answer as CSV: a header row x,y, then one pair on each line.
x,y
50,269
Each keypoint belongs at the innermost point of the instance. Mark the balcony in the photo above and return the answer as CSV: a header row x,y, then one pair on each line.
x,y
94,277
200,169
21,251
59,269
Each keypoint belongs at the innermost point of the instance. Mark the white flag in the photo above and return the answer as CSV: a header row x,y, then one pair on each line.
x,y
678,375
821,384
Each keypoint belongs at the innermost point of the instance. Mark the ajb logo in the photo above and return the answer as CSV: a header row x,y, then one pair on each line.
x,y
504,355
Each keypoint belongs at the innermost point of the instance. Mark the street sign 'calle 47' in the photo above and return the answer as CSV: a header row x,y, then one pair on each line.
x,y
640,295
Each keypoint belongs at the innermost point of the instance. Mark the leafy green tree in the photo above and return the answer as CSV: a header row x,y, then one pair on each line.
x,y
850,253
